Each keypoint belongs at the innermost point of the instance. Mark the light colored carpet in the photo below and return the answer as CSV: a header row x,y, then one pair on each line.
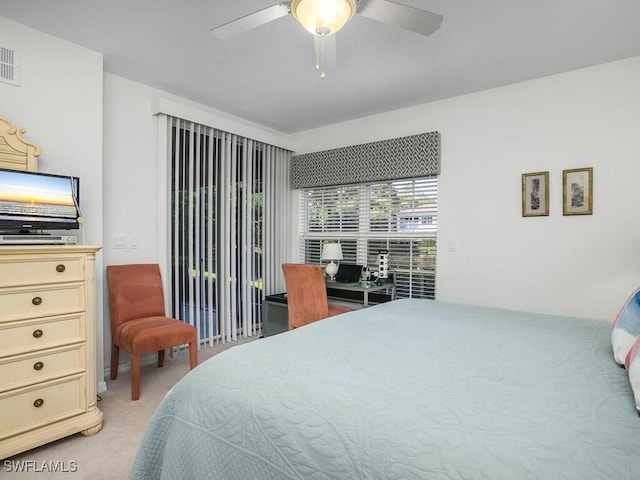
x,y
108,455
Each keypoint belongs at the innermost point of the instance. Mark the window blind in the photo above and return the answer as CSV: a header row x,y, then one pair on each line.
x,y
399,216
225,192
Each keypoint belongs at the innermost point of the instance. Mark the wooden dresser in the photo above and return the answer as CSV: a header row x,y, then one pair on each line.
x,y
47,345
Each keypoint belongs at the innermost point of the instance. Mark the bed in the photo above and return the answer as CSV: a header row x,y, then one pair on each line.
x,y
410,389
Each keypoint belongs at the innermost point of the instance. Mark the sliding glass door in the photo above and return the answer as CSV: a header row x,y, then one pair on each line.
x,y
219,228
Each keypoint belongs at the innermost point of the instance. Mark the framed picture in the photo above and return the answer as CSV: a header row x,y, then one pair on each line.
x,y
535,194
577,191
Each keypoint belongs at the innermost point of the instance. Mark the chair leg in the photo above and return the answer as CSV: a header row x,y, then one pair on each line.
x,y
135,377
193,355
115,354
160,358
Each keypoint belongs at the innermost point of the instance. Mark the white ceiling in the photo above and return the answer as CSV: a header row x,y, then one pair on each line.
x,y
267,75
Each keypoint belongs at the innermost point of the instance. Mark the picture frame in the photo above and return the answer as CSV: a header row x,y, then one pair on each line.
x,y
577,191
535,194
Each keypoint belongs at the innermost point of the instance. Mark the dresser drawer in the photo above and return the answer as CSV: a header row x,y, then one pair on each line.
x,y
24,370
19,271
38,302
37,406
39,334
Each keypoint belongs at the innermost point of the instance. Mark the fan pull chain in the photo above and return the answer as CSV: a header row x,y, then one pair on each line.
x,y
320,55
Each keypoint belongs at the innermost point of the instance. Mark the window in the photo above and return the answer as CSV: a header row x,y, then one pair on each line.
x,y
400,216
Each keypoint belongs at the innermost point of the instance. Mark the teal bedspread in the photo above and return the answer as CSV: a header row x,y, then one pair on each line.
x,y
411,389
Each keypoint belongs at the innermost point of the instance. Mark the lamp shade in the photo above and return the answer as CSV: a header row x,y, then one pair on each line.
x,y
323,17
332,251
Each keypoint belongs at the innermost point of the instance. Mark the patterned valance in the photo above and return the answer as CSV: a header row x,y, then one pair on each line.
x,y
406,157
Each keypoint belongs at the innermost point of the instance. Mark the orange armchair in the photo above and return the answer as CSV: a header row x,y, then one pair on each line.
x,y
307,295
138,321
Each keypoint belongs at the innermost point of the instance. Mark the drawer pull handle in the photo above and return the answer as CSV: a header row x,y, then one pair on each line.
x,y
60,268
38,403
38,366
36,300
37,333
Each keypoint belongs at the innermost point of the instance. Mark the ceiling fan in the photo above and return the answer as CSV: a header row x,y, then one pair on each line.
x,y
323,18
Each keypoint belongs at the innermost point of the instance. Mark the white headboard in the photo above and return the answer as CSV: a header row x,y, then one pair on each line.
x,y
16,153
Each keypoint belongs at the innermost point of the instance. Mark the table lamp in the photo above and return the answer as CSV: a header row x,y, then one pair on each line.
x,y
331,251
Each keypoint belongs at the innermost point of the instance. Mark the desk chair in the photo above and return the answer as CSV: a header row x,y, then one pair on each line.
x,y
138,321
307,295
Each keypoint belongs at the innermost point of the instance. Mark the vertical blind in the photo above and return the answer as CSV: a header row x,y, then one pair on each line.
x,y
399,216
225,192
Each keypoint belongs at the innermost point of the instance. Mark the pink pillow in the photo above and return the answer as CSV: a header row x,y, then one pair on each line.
x,y
626,328
632,363
632,353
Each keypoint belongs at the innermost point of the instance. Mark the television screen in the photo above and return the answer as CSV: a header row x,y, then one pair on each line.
x,y
30,201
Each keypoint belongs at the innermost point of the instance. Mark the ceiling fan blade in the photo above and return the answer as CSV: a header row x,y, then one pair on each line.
x,y
409,18
251,21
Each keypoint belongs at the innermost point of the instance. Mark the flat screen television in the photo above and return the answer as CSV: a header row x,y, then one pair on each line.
x,y
33,202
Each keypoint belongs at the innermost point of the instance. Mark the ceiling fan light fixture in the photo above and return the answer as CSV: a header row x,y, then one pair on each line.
x,y
323,17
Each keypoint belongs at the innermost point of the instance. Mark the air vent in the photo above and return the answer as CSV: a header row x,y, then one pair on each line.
x,y
9,69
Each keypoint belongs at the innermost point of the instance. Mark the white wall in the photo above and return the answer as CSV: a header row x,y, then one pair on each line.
x,y
59,102
583,266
